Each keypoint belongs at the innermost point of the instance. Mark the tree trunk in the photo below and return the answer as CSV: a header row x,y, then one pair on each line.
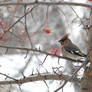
x,y
86,84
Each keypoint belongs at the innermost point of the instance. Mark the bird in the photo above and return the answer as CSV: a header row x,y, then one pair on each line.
x,y
69,49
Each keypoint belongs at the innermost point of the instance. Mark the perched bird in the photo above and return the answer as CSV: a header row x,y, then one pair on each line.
x,y
69,49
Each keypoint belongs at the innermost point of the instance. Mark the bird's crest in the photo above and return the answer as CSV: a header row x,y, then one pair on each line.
x,y
64,37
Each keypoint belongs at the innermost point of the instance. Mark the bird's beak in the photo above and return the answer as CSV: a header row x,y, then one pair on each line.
x,y
60,41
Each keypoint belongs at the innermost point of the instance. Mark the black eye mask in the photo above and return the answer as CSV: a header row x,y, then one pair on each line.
x,y
62,40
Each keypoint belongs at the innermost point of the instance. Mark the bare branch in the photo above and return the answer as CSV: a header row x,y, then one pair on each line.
x,y
40,51
44,60
73,76
19,20
78,17
49,3
42,77
26,29
8,76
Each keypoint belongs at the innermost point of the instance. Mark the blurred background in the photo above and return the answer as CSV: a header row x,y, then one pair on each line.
x,y
45,25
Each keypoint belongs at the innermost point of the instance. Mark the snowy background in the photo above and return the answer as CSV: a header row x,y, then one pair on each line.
x,y
59,20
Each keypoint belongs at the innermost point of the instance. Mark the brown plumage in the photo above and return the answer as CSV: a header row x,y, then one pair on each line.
x,y
69,49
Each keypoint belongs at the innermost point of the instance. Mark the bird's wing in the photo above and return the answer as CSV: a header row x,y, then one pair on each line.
x,y
74,50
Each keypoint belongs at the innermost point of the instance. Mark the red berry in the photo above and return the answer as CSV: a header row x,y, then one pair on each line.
x,y
47,31
1,38
86,25
89,0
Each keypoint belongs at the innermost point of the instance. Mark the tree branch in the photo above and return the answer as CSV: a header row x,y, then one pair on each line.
x,y
49,3
19,20
40,51
41,77
84,64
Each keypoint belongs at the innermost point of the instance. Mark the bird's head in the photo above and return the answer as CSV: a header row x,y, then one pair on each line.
x,y
63,39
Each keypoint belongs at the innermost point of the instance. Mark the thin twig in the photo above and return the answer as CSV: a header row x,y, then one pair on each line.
x,y
8,76
58,60
44,60
26,29
78,17
46,84
18,20
85,63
